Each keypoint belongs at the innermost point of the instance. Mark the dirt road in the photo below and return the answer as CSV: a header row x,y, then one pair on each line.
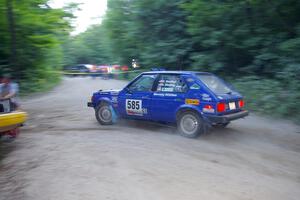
x,y
63,154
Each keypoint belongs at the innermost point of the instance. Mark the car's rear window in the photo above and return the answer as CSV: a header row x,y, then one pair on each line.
x,y
214,83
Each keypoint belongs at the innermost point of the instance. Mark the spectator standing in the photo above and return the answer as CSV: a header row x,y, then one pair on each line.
x,y
9,90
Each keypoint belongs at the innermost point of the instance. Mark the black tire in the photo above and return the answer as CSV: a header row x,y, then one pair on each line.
x,y
223,125
190,124
104,114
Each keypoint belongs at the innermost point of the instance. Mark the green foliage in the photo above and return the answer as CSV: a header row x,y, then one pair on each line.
x,y
256,42
154,32
31,37
245,37
89,47
270,96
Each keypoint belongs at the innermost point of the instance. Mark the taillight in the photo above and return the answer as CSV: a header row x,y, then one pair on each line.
x,y
221,107
241,103
208,109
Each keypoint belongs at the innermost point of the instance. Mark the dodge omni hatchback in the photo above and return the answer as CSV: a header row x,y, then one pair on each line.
x,y
191,100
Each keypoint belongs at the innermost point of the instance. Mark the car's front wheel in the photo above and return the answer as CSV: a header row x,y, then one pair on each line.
x,y
104,114
190,124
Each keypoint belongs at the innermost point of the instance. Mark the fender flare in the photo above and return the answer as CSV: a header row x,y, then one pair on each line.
x,y
108,101
196,109
103,100
186,107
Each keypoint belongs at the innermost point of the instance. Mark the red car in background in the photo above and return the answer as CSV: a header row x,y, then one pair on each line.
x,y
102,69
124,68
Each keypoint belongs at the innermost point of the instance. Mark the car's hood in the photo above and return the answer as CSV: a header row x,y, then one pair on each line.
x,y
111,91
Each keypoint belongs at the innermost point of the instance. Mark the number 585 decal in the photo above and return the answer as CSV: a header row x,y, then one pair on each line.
x,y
134,107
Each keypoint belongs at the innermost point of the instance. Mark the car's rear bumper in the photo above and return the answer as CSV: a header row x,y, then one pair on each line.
x,y
226,118
90,104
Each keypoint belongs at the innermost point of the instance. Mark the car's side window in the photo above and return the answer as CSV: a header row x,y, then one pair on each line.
x,y
171,83
143,84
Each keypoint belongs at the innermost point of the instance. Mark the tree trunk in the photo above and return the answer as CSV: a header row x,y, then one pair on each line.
x,y
12,33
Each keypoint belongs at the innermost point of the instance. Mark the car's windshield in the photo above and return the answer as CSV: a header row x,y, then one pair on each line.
x,y
214,83
144,83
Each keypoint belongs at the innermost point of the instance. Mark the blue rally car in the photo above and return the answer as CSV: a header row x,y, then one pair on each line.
x,y
192,100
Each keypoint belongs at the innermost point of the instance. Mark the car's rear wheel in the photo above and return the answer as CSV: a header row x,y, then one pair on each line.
x,y
190,124
104,114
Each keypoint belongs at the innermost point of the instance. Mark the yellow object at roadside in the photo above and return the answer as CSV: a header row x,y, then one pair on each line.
x,y
12,120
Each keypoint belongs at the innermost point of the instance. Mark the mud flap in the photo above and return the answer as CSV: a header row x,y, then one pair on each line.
x,y
114,116
207,125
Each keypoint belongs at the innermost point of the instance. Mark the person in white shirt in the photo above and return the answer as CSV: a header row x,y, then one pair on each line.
x,y
9,90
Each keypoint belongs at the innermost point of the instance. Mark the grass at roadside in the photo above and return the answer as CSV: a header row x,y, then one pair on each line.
x,y
271,97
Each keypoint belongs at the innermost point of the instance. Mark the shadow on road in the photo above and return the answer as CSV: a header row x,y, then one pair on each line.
x,y
217,133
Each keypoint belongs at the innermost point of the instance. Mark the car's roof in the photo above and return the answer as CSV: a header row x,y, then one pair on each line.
x,y
175,72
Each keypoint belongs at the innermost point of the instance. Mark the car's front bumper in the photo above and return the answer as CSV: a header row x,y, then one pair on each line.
x,y
90,104
226,118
